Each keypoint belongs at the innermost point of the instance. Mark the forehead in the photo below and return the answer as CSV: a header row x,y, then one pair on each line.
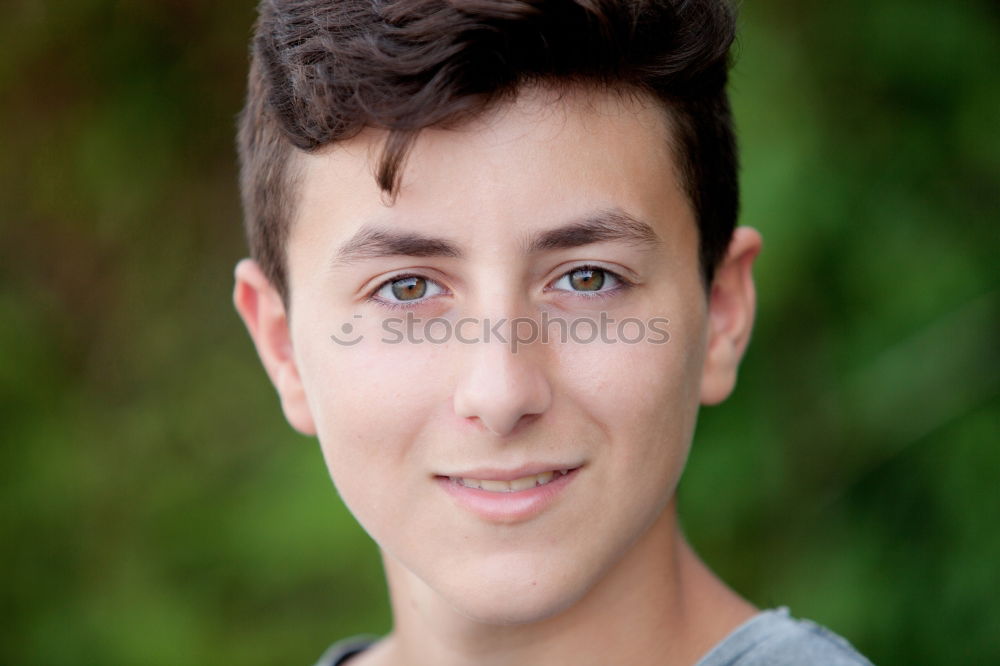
x,y
548,155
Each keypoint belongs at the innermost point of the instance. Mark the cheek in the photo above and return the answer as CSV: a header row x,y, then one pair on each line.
x,y
370,402
644,396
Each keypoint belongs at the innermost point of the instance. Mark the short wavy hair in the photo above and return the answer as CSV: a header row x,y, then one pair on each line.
x,y
323,70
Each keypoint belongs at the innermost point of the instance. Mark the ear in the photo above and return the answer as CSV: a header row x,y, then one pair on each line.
x,y
731,307
263,312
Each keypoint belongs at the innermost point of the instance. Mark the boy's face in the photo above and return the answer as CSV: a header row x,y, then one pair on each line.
x,y
396,418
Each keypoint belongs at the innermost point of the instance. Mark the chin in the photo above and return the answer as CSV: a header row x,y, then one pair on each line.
x,y
513,611
521,595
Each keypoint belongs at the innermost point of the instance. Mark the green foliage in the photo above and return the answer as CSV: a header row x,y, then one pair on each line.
x,y
157,508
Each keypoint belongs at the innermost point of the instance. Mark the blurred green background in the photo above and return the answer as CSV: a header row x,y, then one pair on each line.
x,y
156,508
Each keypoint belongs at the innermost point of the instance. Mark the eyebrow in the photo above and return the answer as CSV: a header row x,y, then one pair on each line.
x,y
613,224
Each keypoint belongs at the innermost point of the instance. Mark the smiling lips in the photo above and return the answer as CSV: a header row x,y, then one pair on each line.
x,y
508,497
512,486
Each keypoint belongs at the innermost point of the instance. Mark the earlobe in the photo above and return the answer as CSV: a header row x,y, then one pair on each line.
x,y
731,308
262,310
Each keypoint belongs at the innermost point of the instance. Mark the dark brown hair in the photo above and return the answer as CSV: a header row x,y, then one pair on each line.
x,y
323,70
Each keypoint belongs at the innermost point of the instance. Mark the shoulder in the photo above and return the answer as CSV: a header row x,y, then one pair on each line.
x,y
339,653
775,638
770,638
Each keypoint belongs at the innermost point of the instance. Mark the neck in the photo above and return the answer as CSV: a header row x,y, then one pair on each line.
x,y
659,604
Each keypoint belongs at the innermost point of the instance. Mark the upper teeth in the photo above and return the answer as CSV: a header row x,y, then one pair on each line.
x,y
513,486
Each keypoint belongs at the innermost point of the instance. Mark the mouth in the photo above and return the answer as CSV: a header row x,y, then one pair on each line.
x,y
514,485
508,497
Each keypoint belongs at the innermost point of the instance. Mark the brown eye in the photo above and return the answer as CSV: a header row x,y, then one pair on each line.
x,y
409,288
406,291
591,281
587,279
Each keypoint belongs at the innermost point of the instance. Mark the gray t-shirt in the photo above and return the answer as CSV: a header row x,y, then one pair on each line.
x,y
769,638
774,638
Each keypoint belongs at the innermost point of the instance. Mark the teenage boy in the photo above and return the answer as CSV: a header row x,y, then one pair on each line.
x,y
458,169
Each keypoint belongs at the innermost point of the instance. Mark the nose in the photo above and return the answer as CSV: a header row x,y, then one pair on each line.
x,y
502,387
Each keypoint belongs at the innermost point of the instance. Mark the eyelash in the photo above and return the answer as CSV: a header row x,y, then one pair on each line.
x,y
623,284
